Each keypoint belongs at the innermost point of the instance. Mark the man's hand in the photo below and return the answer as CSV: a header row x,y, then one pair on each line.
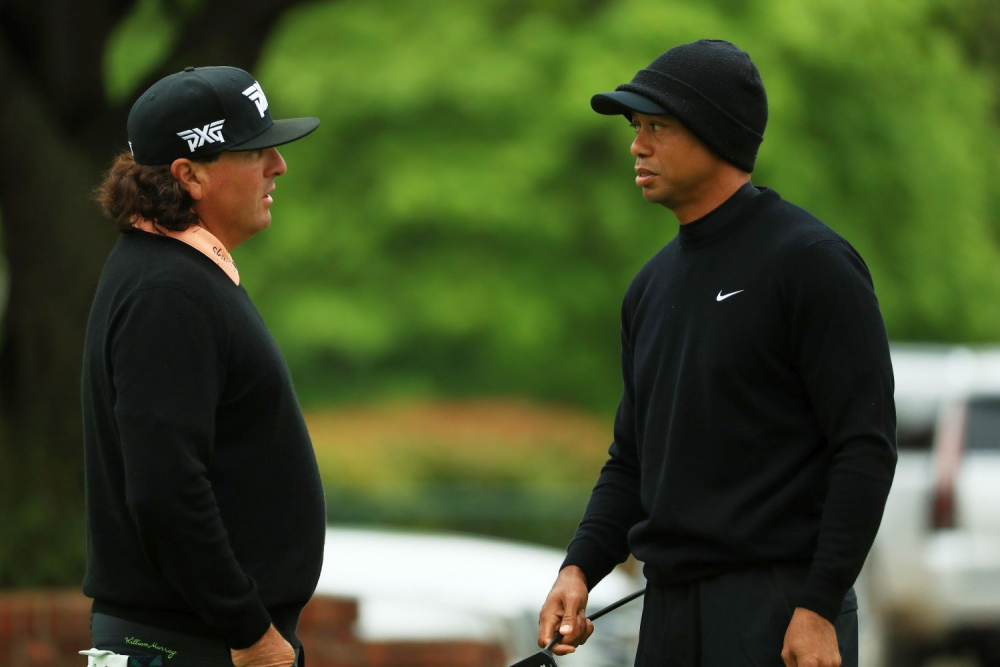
x,y
565,611
271,650
810,641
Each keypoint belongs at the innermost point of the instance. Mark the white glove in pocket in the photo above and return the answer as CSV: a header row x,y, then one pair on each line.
x,y
100,658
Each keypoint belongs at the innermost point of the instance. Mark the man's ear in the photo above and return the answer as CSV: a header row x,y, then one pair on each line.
x,y
190,175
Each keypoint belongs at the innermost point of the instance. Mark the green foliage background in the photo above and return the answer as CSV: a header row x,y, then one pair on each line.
x,y
463,223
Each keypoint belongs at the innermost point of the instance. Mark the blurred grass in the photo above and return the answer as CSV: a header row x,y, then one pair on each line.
x,y
494,467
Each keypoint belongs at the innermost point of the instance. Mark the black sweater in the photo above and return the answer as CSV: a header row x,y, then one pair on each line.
x,y
205,511
757,422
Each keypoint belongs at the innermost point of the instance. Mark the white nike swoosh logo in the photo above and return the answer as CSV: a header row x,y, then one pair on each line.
x,y
723,297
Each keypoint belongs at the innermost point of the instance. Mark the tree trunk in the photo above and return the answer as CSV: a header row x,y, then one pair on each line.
x,y
54,239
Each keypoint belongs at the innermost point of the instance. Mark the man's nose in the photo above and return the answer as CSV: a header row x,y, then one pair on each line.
x,y
277,165
639,147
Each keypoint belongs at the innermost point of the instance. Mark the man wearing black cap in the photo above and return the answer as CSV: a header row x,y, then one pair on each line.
x,y
754,444
205,511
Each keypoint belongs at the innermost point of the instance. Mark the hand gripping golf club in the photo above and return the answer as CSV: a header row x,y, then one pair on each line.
x,y
545,658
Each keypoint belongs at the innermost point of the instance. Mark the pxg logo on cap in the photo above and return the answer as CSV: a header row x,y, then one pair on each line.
x,y
197,138
206,110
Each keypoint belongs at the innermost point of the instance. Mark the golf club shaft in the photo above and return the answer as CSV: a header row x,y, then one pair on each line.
x,y
614,605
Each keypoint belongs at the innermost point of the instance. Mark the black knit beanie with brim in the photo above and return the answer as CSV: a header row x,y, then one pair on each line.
x,y
711,86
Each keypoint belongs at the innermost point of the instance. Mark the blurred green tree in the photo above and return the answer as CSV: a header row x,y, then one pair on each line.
x,y
462,222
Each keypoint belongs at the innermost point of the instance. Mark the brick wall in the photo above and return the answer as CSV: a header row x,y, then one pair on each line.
x,y
43,629
47,628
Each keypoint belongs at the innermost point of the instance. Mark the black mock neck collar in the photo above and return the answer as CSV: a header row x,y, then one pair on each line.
x,y
708,227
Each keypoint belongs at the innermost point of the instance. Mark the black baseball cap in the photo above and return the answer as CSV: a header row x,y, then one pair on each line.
x,y
206,110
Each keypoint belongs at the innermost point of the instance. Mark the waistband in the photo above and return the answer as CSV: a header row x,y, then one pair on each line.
x,y
284,617
126,637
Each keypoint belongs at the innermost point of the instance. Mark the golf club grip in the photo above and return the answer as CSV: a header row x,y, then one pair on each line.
x,y
556,638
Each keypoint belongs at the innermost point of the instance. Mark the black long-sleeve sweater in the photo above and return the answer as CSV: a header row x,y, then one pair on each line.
x,y
757,422
205,510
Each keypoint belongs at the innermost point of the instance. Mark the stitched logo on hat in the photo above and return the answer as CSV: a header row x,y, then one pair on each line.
x,y
256,93
198,137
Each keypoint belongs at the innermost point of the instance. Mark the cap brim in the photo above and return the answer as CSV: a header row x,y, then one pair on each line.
x,y
625,102
281,132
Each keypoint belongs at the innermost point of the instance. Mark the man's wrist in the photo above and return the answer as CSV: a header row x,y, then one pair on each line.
x,y
573,572
813,616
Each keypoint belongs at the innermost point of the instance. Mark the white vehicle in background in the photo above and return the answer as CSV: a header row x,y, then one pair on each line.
x,y
932,580
413,586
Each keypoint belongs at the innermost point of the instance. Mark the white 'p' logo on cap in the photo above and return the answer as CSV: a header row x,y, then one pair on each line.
x,y
256,94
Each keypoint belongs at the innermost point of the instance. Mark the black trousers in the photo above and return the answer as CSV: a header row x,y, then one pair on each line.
x,y
157,647
736,619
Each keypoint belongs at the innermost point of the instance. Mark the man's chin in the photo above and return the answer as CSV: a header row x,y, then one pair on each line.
x,y
654,196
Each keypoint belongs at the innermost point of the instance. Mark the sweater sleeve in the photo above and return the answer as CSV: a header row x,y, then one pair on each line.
x,y
841,351
601,540
169,365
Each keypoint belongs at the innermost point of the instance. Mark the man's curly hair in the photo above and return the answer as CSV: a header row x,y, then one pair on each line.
x,y
131,191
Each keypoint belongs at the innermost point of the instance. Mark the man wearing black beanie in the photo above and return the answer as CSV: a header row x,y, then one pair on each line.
x,y
754,444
